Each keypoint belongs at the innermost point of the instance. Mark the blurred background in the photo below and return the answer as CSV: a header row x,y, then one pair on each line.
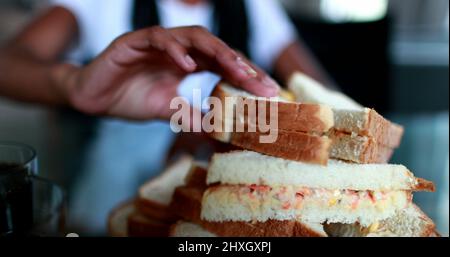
x,y
388,54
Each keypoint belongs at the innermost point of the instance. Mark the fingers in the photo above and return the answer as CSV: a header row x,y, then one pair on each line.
x,y
216,51
144,42
262,84
191,49
215,55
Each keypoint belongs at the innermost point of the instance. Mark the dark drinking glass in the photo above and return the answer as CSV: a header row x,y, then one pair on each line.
x,y
18,163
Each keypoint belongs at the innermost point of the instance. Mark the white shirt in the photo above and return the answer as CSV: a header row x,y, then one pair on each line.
x,y
101,22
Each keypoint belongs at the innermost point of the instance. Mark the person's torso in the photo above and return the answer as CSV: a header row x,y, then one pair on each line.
x,y
119,16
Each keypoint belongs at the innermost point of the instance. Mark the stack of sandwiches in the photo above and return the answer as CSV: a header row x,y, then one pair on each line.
x,y
149,214
319,124
327,174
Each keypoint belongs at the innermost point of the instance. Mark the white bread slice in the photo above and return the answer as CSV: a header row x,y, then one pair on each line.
x,y
188,229
407,222
367,122
246,167
117,220
292,116
312,120
248,203
358,149
349,116
154,196
308,90
160,189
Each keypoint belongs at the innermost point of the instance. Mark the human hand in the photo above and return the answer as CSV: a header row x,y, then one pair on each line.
x,y
137,76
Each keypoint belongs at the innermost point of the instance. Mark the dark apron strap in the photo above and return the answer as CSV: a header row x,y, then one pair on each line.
x,y
230,20
145,14
232,23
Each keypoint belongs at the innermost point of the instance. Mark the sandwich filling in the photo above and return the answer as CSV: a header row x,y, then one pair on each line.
x,y
261,203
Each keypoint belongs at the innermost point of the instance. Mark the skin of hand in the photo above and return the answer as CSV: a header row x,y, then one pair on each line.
x,y
297,57
137,76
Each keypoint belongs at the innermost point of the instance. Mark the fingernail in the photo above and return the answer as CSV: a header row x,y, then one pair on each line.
x,y
249,71
189,61
243,73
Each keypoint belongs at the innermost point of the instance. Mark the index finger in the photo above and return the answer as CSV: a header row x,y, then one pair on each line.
x,y
232,66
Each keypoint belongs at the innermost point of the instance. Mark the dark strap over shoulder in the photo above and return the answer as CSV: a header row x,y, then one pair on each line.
x,y
232,23
145,14
230,18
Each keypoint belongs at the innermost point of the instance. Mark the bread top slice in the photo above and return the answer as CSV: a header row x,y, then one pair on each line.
x,y
349,116
247,168
292,116
160,189
308,90
367,122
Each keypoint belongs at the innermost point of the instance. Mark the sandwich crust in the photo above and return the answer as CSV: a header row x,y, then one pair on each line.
x,y
142,226
424,185
295,146
155,210
384,131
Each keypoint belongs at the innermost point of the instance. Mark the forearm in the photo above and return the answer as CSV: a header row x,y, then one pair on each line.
x,y
26,78
297,57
